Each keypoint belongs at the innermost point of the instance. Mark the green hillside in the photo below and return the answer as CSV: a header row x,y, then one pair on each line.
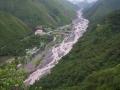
x,y
102,8
21,14
40,12
11,31
94,62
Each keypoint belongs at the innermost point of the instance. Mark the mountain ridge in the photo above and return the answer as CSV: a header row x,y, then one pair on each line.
x,y
40,12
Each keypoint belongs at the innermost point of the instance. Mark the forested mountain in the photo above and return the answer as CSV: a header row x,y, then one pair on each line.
x,y
101,8
84,5
94,62
40,12
12,30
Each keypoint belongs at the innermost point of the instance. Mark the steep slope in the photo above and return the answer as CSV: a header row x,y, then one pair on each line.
x,y
32,13
110,79
40,12
61,10
102,8
11,31
93,64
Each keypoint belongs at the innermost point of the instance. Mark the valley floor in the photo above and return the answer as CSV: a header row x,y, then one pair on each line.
x,y
55,53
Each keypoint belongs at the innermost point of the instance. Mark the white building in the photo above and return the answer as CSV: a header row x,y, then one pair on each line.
x,y
38,32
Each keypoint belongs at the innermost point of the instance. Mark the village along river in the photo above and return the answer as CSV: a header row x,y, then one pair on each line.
x,y
79,27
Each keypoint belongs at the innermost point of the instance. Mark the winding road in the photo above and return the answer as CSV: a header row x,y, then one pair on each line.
x,y
55,54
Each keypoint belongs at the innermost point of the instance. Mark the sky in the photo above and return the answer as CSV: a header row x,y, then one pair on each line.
x,y
82,0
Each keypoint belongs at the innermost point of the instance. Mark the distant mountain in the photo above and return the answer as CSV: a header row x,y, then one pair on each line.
x,y
40,12
101,8
84,5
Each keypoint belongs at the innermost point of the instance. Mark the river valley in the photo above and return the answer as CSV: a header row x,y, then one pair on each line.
x,y
54,54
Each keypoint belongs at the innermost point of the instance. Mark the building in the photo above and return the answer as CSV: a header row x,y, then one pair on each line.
x,y
39,30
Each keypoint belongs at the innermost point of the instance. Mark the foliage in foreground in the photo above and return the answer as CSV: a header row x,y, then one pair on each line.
x,y
11,78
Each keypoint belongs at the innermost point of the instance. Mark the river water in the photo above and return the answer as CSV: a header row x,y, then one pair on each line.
x,y
54,55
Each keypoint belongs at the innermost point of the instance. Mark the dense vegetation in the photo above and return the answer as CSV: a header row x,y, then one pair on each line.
x,y
101,8
40,12
11,78
94,62
12,30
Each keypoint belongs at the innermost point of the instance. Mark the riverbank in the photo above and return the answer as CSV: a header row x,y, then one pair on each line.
x,y
55,54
